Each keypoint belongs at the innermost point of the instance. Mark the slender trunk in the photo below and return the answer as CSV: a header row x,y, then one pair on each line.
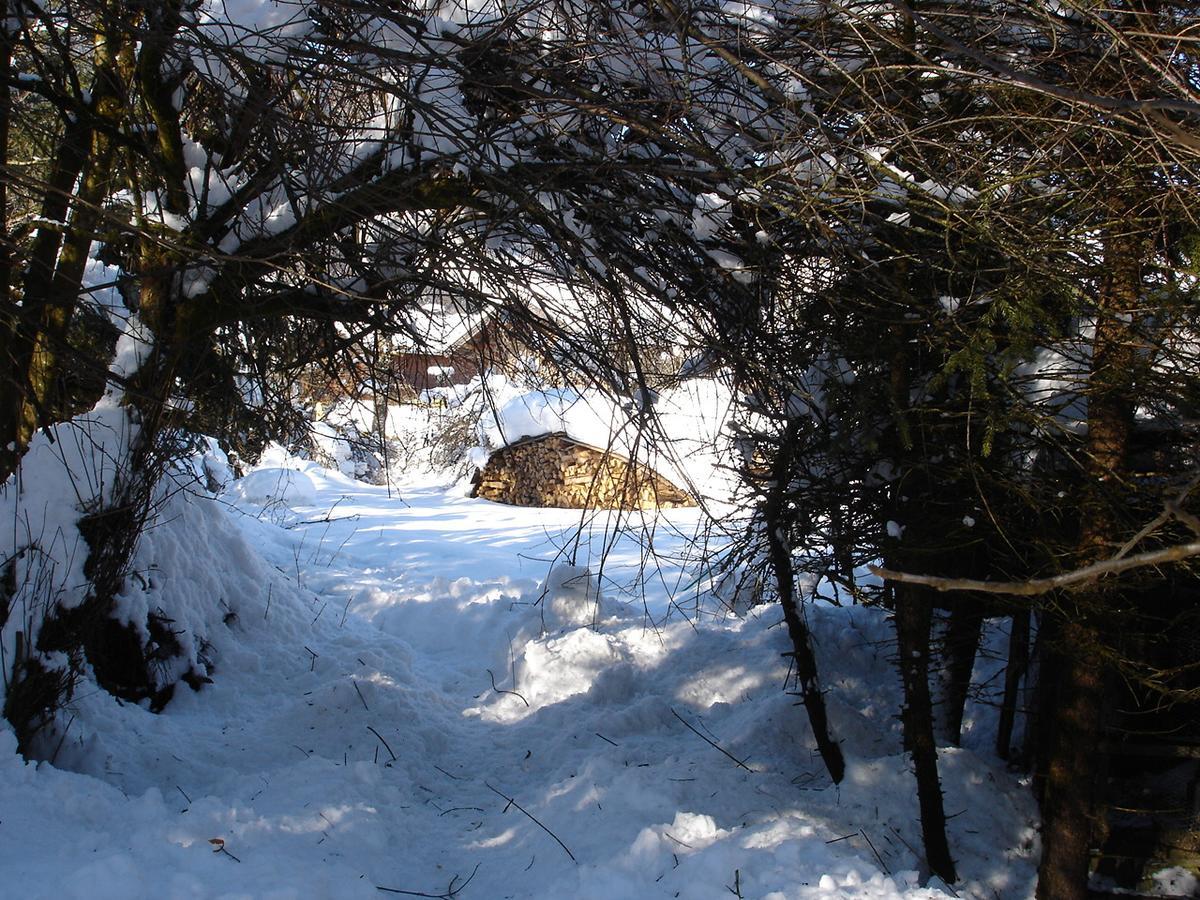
x,y
914,615
913,608
43,317
1068,817
962,642
1018,662
803,656
6,77
806,663
163,21
1045,675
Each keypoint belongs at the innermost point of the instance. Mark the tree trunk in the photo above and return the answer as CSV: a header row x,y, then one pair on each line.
x,y
962,642
1067,810
58,256
806,663
1068,813
6,75
804,658
914,615
1018,663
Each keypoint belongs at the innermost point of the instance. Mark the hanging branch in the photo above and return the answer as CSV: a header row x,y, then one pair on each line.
x,y
1037,586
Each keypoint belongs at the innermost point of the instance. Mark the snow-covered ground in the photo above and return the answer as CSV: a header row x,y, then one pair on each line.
x,y
426,694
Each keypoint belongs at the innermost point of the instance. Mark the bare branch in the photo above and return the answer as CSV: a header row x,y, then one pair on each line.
x,y
1037,586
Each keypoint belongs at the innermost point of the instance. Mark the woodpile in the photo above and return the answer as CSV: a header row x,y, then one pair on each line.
x,y
554,470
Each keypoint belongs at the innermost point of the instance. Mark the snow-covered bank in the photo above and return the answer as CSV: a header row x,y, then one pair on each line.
x,y
403,699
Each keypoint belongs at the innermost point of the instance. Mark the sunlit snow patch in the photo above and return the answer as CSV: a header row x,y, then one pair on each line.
x,y
263,487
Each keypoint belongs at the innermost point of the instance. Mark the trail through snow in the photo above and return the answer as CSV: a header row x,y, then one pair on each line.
x,y
425,693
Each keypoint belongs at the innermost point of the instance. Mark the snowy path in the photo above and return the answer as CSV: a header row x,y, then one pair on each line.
x,y
353,741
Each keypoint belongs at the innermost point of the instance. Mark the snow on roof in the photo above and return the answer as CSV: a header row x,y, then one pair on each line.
x,y
441,324
464,301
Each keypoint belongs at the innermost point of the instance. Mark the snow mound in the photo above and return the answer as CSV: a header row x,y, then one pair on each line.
x,y
274,487
571,596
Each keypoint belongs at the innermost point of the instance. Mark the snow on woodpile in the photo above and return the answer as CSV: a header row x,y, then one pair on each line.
x,y
554,470
560,447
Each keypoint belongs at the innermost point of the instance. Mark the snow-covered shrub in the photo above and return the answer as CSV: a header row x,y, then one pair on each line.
x,y
346,440
437,431
96,525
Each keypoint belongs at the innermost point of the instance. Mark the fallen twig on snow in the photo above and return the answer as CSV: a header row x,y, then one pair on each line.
x,y
512,802
382,741
870,844
451,891
500,690
219,847
710,741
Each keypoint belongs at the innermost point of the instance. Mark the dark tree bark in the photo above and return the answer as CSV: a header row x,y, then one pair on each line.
x,y
6,254
1072,764
58,255
914,615
1018,664
1068,807
805,660
962,642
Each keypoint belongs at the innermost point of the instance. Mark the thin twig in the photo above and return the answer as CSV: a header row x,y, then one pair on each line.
x,y
1172,509
219,847
1153,525
62,739
500,690
886,870
382,741
323,520
360,696
710,742
844,837
512,802
736,889
450,892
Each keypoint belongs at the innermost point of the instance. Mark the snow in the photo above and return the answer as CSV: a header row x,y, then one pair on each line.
x,y
412,689
257,29
262,487
1176,881
712,213
67,470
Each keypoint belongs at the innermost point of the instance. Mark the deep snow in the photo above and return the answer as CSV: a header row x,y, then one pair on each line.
x,y
427,693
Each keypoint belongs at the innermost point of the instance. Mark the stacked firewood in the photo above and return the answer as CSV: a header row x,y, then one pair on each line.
x,y
554,470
